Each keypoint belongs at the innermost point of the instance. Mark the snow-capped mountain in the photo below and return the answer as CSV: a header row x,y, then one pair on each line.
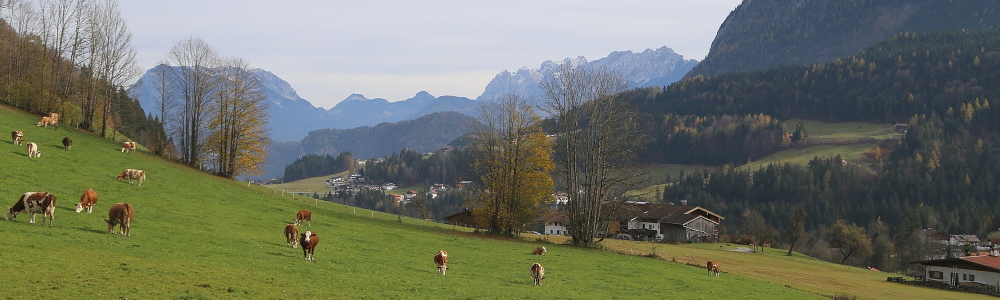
x,y
658,67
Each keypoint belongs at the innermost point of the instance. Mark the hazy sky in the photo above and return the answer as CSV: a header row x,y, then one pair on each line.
x,y
328,50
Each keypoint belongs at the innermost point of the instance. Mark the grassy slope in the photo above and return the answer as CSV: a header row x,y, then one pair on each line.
x,y
844,131
197,236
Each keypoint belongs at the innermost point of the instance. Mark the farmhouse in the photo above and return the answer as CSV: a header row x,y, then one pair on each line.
x,y
981,270
646,221
464,218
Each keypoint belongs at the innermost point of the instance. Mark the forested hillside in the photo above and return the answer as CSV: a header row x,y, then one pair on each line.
x,y
427,133
942,174
763,34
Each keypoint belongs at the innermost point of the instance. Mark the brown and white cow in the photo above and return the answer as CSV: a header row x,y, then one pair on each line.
x,y
17,136
128,146
291,235
309,241
87,201
304,215
34,203
46,121
539,251
67,143
120,214
441,259
537,272
33,150
713,267
130,174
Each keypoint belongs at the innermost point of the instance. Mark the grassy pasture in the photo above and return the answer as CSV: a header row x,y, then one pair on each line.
x,y
197,236
798,272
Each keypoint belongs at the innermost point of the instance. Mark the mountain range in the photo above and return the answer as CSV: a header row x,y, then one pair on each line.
x,y
287,109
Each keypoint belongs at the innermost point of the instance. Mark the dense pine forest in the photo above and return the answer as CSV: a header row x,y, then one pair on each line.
x,y
941,174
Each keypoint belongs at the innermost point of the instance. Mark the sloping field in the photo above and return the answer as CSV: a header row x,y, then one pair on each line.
x,y
200,237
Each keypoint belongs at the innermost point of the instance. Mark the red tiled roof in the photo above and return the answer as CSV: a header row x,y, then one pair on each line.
x,y
984,260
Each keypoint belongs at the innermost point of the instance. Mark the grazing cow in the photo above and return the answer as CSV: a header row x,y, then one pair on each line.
x,y
17,136
713,267
34,203
291,234
33,150
539,251
128,146
306,215
46,121
87,201
67,143
441,259
537,272
130,174
120,214
309,241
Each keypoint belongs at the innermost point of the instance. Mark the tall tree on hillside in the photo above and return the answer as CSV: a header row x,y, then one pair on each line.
x,y
165,101
238,141
513,161
850,239
796,231
196,61
116,64
598,137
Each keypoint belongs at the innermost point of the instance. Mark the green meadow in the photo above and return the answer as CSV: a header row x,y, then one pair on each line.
x,y
196,236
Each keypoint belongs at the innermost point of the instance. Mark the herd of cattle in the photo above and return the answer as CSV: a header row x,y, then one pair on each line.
x,y
122,213
44,203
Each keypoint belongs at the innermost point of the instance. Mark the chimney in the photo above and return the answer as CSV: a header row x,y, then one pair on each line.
x,y
684,202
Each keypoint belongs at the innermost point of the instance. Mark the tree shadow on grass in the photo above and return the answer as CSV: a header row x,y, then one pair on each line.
x,y
91,230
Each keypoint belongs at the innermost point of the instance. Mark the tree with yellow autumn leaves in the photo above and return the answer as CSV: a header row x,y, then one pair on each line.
x,y
513,161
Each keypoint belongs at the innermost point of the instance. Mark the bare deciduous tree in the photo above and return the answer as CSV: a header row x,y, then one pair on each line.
x,y
196,61
597,139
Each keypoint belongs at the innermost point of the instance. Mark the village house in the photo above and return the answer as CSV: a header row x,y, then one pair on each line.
x,y
645,221
976,271
411,194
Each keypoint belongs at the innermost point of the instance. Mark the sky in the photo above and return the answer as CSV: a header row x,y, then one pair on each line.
x,y
328,50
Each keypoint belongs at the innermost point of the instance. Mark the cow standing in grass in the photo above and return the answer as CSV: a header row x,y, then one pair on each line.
x,y
34,203
537,273
305,215
120,214
33,150
291,235
17,136
46,121
309,240
130,174
87,201
539,251
713,267
67,143
441,259
128,146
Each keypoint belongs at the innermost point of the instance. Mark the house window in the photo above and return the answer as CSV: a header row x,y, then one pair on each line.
x,y
972,277
935,274
965,276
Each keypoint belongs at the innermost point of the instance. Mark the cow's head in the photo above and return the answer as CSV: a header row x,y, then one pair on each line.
x,y
79,207
111,226
10,214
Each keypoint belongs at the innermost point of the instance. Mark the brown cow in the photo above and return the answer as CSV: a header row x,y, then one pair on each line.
x,y
304,215
309,241
713,267
441,259
537,272
128,146
120,214
33,150
87,201
34,203
67,143
130,174
17,136
291,234
46,121
539,251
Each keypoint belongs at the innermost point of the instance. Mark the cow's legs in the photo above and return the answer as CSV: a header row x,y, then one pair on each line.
x,y
32,221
